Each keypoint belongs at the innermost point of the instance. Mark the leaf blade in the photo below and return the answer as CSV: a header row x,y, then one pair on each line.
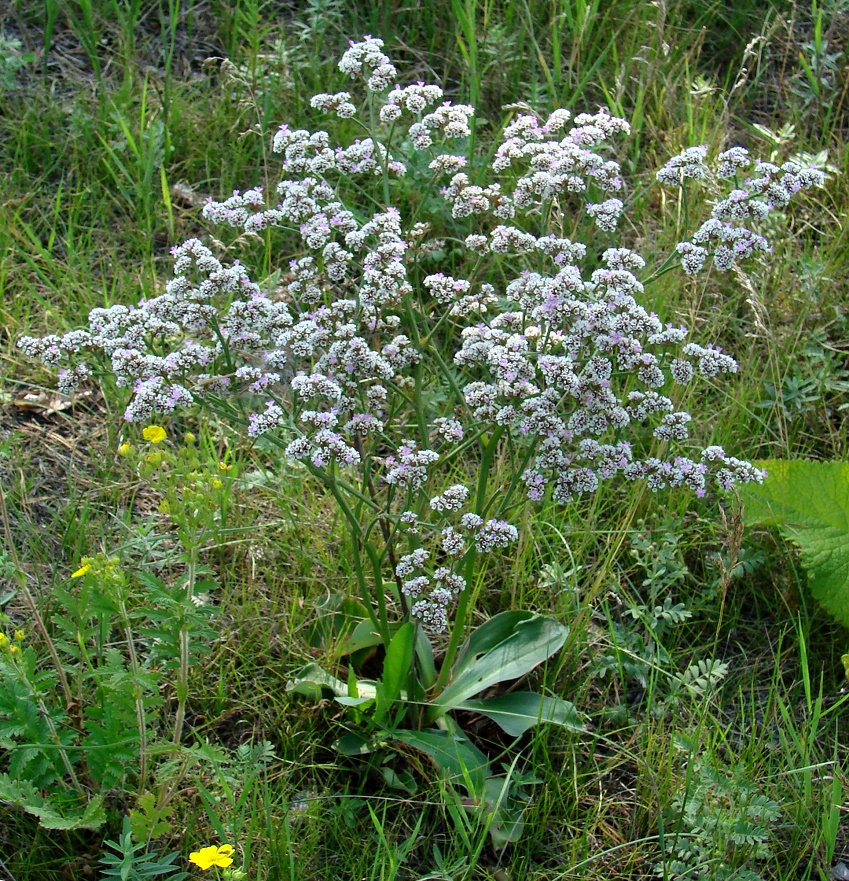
x,y
809,503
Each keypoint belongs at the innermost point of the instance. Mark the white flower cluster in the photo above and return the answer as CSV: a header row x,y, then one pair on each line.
x,y
435,592
689,164
558,166
339,103
562,365
726,235
366,59
452,499
413,99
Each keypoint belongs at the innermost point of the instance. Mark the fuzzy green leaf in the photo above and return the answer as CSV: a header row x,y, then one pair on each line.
x,y
809,503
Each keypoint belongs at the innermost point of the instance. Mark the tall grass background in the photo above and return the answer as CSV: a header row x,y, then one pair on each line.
x,y
119,118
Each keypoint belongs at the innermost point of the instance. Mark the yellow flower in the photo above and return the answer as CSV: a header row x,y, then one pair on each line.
x,y
845,659
19,635
14,650
4,640
207,857
154,433
189,438
81,571
125,450
223,467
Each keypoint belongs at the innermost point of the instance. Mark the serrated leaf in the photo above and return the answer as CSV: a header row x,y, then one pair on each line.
x,y
23,794
147,821
809,503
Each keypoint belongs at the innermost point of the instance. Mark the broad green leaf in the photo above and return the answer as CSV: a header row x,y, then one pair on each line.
x,y
347,701
458,759
489,635
508,650
403,780
354,744
424,655
313,681
521,710
809,503
396,668
363,636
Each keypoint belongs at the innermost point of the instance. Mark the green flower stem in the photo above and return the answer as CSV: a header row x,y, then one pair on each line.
x,y
137,690
514,483
671,262
21,578
374,559
384,165
381,623
317,472
382,520
462,612
433,352
183,672
418,398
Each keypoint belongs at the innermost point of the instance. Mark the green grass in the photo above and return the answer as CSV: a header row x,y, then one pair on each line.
x,y
112,138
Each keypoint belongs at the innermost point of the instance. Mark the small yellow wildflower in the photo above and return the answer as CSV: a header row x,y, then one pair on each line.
x,y
125,450
19,635
223,467
189,437
154,433
14,649
83,570
4,640
845,659
207,857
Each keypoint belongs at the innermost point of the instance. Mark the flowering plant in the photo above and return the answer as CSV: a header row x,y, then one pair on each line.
x,y
399,387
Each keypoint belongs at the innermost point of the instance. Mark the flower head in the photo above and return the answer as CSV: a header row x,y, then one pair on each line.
x,y
214,855
154,433
83,570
